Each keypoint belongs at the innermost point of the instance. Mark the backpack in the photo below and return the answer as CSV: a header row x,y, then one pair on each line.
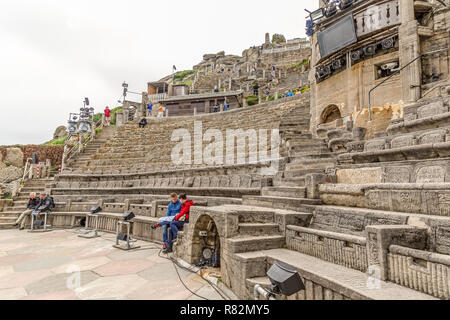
x,y
52,203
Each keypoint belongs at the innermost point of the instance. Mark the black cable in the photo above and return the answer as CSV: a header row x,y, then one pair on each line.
x,y
179,277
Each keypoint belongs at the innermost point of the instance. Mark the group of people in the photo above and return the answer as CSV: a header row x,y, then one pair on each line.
x,y
150,111
36,206
177,216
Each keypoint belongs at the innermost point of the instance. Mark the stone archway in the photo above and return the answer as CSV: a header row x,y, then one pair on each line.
x,y
204,233
330,114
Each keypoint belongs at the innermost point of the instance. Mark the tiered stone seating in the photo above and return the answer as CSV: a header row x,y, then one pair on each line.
x,y
133,150
401,179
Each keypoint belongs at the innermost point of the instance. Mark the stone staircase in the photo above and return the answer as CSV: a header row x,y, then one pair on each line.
x,y
10,213
91,149
305,155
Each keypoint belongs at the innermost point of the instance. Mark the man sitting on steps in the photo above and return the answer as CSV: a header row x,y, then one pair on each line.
x,y
172,211
45,204
179,221
31,206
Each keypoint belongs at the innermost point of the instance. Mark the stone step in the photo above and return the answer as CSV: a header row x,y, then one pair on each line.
x,y
10,213
293,204
301,172
8,219
289,182
258,229
337,282
7,225
311,154
254,243
293,192
301,163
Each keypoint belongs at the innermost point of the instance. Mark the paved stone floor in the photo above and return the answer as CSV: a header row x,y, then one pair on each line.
x,y
61,266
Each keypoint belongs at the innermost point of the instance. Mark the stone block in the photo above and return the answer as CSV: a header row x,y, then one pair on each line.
x,y
431,174
360,176
432,109
375,145
397,175
432,137
404,141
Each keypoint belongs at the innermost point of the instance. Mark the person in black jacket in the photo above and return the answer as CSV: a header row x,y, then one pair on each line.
x,y
143,122
31,206
44,205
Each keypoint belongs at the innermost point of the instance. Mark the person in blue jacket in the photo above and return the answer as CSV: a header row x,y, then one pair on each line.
x,y
173,209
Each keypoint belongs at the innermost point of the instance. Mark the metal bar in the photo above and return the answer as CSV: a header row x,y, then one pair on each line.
x,y
397,72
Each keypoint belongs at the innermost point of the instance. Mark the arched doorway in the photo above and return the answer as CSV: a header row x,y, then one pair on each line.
x,y
330,114
206,243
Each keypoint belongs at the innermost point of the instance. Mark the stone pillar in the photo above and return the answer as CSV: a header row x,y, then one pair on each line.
x,y
409,50
167,112
221,107
230,84
264,74
276,95
220,84
195,112
207,107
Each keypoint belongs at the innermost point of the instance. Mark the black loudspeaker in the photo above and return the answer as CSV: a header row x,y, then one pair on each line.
x,y
96,209
128,216
86,101
122,236
285,279
35,157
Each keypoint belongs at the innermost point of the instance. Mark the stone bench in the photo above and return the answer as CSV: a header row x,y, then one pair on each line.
x,y
413,152
420,270
342,249
414,198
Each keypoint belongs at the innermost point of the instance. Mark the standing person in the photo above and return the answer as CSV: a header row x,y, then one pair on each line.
x,y
173,209
179,221
149,109
161,111
31,206
107,117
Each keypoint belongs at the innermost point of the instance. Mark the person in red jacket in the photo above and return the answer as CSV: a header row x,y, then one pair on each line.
x,y
107,117
179,221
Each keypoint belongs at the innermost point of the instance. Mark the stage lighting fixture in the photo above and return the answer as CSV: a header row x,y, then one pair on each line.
x,y
338,63
331,9
84,126
387,43
317,15
285,279
370,50
344,4
128,216
72,127
356,55
86,101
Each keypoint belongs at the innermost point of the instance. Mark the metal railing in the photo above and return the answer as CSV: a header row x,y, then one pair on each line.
x,y
80,146
397,72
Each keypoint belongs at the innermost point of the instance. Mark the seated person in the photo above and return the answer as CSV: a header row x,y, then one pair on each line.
x,y
172,211
179,221
31,206
143,122
45,205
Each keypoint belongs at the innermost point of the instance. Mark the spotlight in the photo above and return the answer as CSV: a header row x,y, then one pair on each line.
x,y
96,209
387,43
331,9
317,15
356,55
72,127
344,4
86,101
128,216
285,279
370,50
338,63
84,126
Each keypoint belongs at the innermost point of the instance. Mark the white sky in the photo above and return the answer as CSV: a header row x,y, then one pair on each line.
x,y
53,53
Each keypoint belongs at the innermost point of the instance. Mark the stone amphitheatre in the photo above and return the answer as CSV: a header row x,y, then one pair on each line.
x,y
353,189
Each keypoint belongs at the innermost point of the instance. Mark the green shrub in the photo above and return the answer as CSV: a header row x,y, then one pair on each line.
x,y
252,100
56,142
180,76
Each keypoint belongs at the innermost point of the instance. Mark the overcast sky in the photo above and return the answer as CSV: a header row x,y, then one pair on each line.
x,y
55,53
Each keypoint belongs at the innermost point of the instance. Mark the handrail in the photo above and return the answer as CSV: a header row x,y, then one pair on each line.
x,y
397,72
76,148
26,171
